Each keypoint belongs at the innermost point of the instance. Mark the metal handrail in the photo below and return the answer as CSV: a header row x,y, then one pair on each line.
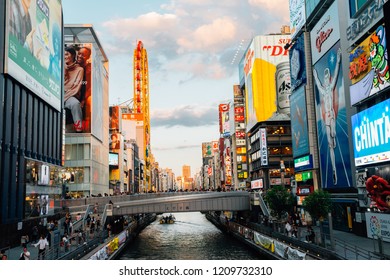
x,y
350,250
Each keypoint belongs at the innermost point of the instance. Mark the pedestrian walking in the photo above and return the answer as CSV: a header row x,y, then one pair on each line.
x,y
25,255
42,243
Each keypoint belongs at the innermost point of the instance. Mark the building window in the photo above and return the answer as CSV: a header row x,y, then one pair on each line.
x,y
356,5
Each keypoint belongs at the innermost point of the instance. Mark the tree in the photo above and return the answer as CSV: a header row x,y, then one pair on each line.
x,y
318,204
279,200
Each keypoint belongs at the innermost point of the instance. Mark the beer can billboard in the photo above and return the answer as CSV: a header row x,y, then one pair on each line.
x,y
261,60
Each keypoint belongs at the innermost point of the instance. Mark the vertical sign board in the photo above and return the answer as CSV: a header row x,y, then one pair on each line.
x,y
297,16
78,87
298,63
263,147
332,121
299,127
330,102
33,51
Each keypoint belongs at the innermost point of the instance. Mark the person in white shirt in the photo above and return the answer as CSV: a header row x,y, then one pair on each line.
x,y
25,255
42,243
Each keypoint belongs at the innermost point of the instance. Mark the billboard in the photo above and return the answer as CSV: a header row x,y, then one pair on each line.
x,y
297,16
114,118
113,159
207,149
332,122
263,56
78,87
368,67
224,120
325,33
299,127
298,63
33,51
369,133
378,225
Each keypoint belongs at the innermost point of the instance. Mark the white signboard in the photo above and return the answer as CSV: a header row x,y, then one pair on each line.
x,y
378,224
326,33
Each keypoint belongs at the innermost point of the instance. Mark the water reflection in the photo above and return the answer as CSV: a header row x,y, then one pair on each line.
x,y
191,237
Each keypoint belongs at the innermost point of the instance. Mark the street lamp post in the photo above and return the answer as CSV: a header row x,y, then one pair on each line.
x,y
282,169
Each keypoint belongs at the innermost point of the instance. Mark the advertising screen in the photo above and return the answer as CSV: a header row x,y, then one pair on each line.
x,y
332,126
299,128
368,67
78,87
33,51
113,159
370,137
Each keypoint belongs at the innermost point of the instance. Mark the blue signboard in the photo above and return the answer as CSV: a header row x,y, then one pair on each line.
x,y
371,140
299,130
332,120
297,63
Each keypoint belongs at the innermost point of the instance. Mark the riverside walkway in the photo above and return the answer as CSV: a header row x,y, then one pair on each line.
x,y
347,245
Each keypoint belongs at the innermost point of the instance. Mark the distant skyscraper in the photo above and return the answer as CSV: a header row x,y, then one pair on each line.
x,y
186,171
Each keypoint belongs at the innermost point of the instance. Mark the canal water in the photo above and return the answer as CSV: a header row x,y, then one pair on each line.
x,y
191,237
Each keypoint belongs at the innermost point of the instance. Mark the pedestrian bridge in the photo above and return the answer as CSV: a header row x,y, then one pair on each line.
x,y
183,202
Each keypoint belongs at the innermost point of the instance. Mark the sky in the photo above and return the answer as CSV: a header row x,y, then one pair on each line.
x,y
193,47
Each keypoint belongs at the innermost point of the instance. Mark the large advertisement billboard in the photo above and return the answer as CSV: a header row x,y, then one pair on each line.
x,y
325,33
33,50
332,120
262,59
368,67
78,87
370,137
299,128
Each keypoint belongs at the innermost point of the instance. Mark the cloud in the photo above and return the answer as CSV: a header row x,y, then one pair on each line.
x,y
277,9
197,38
212,36
180,147
187,116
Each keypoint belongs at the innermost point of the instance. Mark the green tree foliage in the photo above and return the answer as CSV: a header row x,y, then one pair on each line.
x,y
279,200
318,204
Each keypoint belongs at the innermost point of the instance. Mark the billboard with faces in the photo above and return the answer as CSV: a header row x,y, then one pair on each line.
x,y
78,87
33,50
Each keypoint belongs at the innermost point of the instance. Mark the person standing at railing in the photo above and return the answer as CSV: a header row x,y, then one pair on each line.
x,y
42,243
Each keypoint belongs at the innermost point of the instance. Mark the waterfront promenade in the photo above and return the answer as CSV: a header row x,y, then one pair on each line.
x,y
348,246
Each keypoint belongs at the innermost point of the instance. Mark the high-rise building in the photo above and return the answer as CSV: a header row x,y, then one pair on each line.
x,y
186,171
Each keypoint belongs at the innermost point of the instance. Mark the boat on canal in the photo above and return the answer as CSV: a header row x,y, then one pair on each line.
x,y
170,219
